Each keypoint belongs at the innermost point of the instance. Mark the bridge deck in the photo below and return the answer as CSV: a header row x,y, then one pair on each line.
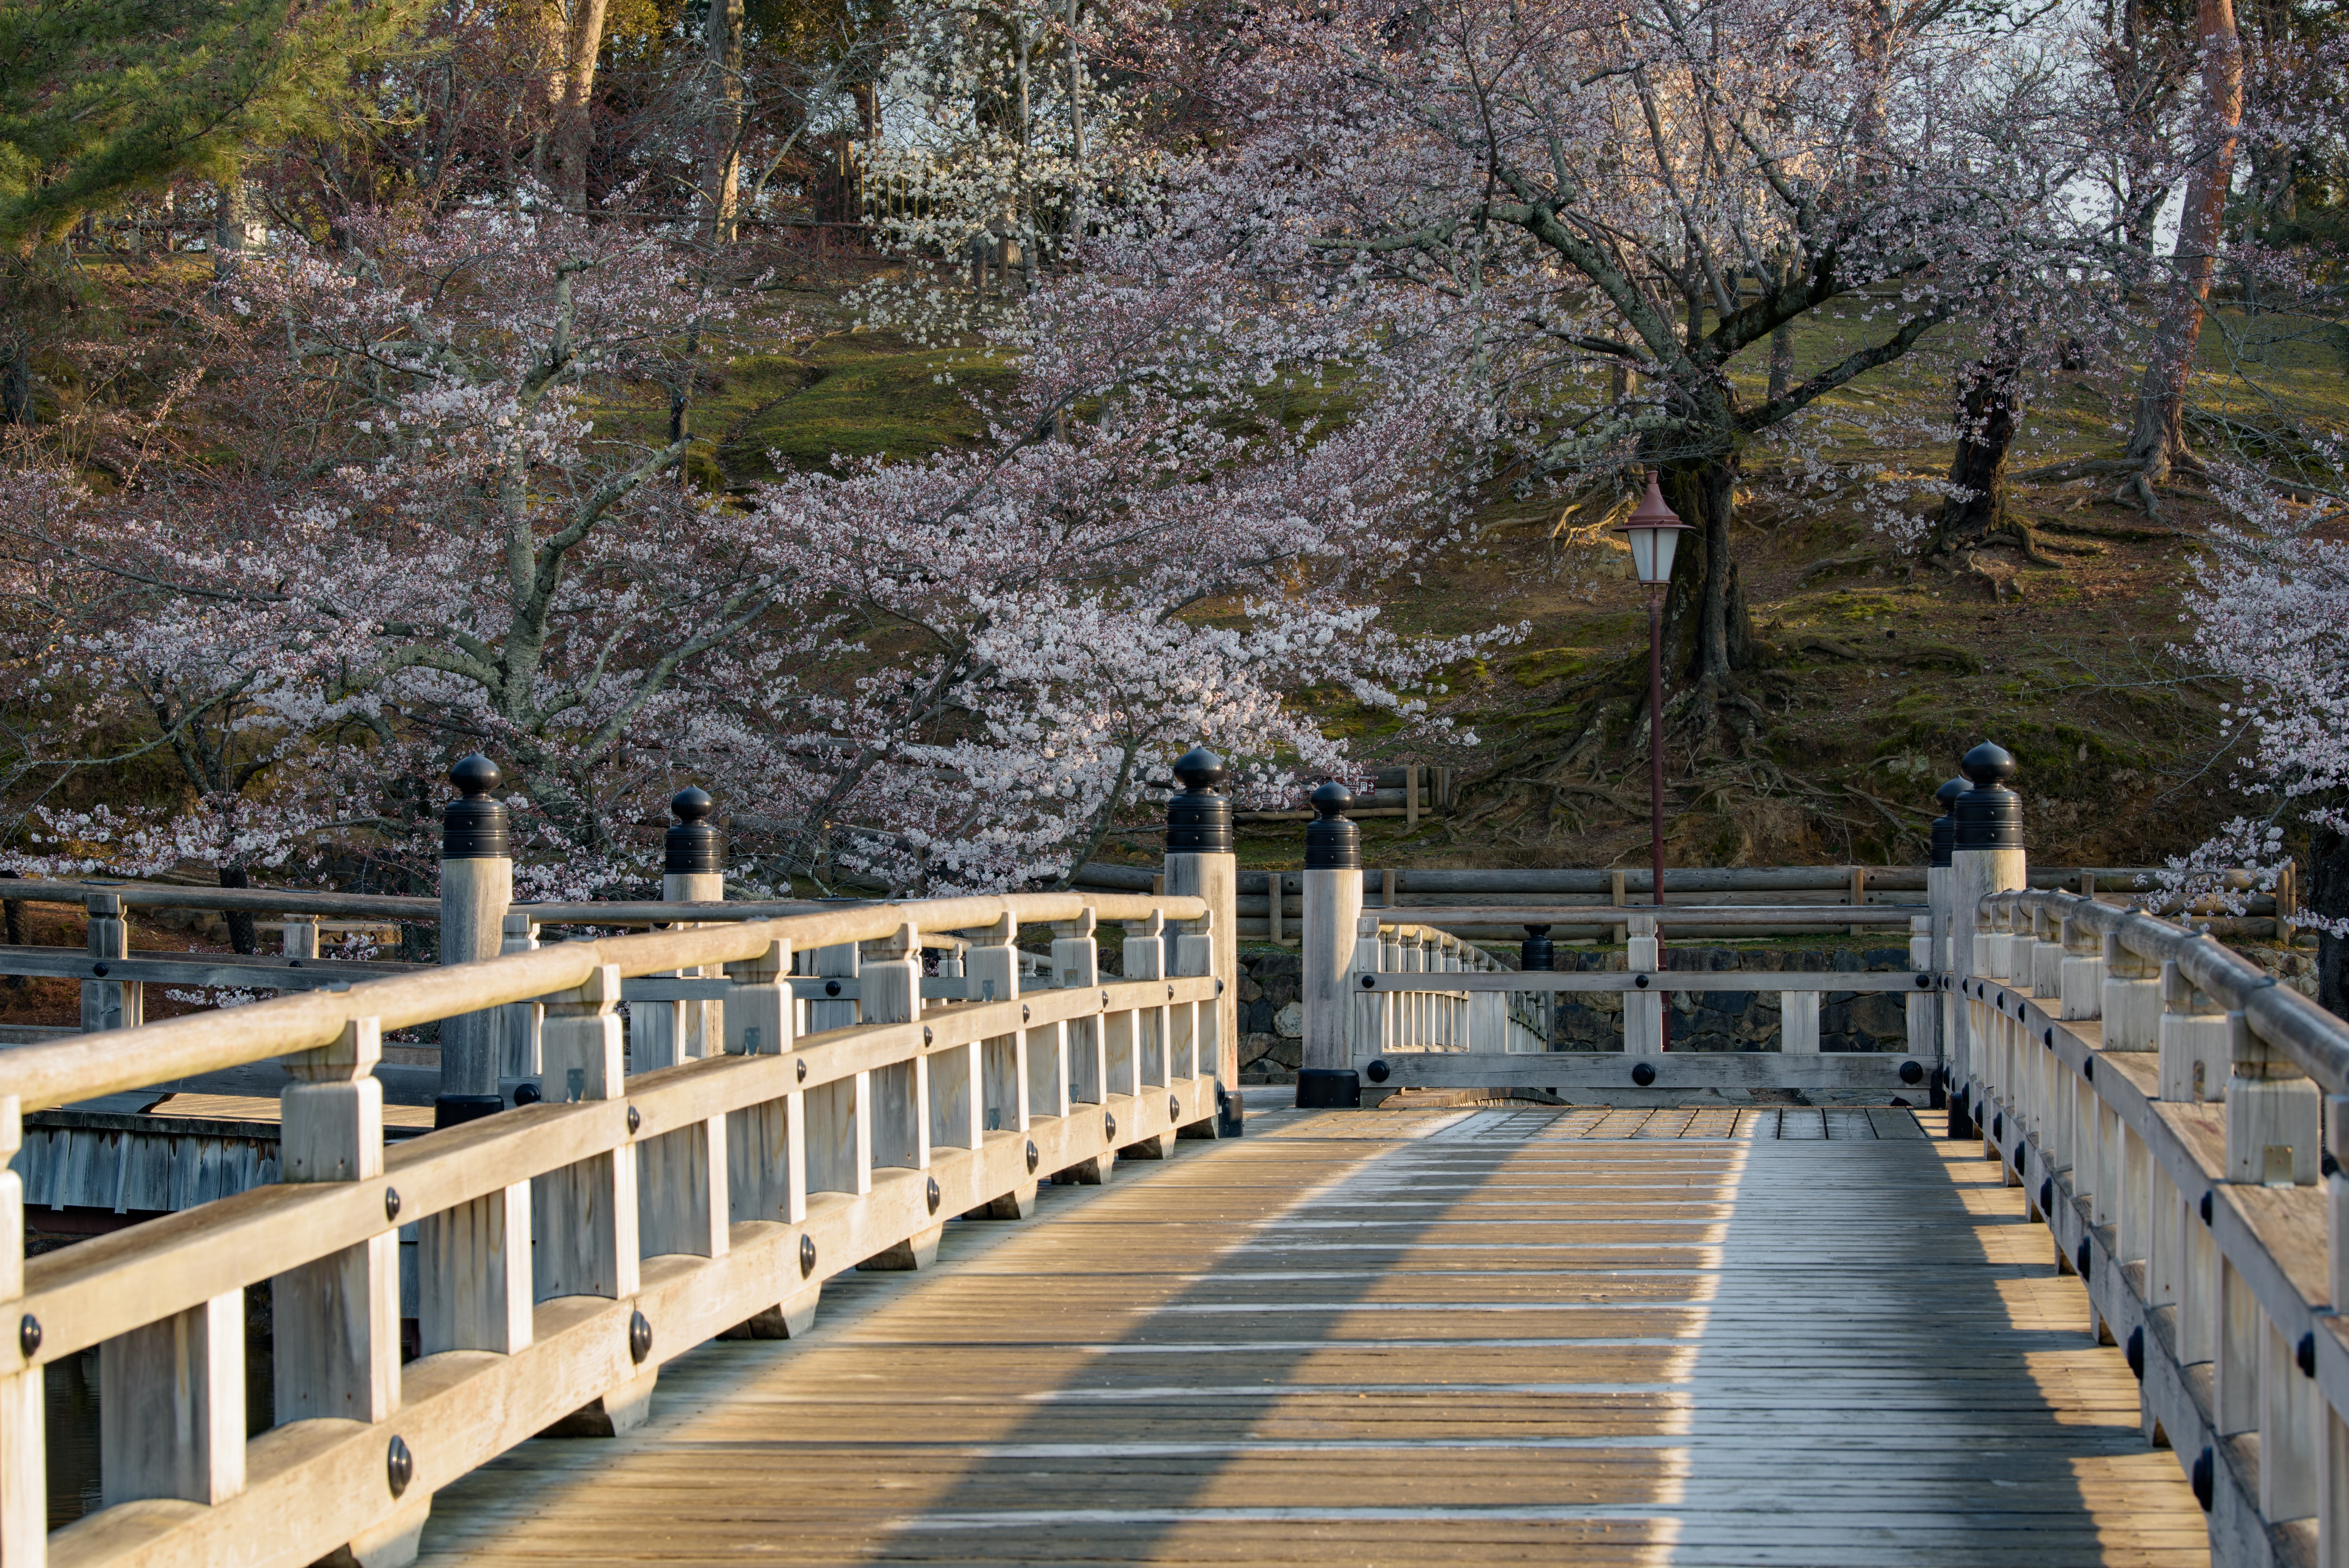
x,y
1438,1336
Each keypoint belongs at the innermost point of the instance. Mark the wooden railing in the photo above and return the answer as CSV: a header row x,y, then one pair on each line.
x,y
2159,1100
1403,1036
1435,1014
566,1248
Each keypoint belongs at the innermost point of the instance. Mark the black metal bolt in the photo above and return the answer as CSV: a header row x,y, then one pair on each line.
x,y
1023,1012
1998,1128
1219,985
1376,1072
528,1094
2205,1478
28,1336
933,1194
2049,1039
927,1037
1640,981
801,1064
1911,1072
392,1203
1104,998
640,1338
2018,1157
807,1256
635,1119
398,1465
1109,1125
2304,1355
1173,1107
1924,982
831,987
97,969
1370,981
2326,1165
1032,1157
1170,992
2135,1351
1643,1073
2088,1070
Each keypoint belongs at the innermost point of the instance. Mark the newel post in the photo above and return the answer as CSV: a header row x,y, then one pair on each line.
x,y
1200,864
476,887
693,868
1985,857
1333,908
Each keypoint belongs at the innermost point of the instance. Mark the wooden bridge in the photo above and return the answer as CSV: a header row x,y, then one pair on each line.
x,y
873,1235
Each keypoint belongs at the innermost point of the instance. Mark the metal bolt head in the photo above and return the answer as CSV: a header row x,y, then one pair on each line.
x,y
1104,998
1023,1012
2135,1352
391,1203
1109,1125
640,1336
28,1336
1913,1072
2047,1197
1173,1107
933,1195
1032,1157
927,1037
831,987
1170,992
801,1064
2080,1259
1640,981
398,1465
2088,1070
1370,981
807,1256
635,1119
1376,1072
2206,1208
1644,1075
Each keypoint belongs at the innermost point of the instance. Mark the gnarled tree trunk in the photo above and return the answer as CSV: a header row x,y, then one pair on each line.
x,y
1989,404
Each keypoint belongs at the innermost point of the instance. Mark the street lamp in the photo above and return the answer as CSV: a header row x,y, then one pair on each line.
x,y
1654,534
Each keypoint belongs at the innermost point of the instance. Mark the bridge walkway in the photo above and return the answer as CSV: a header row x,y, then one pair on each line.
x,y
1437,1337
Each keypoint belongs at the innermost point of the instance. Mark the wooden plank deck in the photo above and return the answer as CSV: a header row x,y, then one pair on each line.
x,y
1457,1336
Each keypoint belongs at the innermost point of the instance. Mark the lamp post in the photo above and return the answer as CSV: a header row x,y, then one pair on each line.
x,y
1654,534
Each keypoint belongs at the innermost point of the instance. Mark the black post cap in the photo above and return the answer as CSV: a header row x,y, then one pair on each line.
x,y
1945,826
473,825
1198,819
1536,952
1989,816
1332,843
695,846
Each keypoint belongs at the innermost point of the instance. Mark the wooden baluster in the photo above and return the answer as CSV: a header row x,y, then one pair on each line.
x,y
2291,1432
2132,1000
23,1466
2046,970
520,1023
583,1216
2272,1110
1643,1011
1414,944
1076,966
2242,1329
1366,1019
110,1004
1192,1025
2198,1286
298,936
336,1321
2134,1234
892,986
766,1144
1798,1023
2193,1040
2080,983
1923,1034
1143,957
992,973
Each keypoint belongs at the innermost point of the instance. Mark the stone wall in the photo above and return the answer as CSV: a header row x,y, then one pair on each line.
x,y
1271,1024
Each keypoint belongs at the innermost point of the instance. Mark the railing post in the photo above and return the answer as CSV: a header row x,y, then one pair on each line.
x,y
24,1462
766,1144
693,870
110,1004
1924,1007
1538,954
476,887
683,1205
2272,1109
336,1321
1191,1053
1332,882
2131,1003
1643,1010
2193,1040
1076,964
521,1023
2080,983
892,994
1200,864
1946,999
1985,857
583,1216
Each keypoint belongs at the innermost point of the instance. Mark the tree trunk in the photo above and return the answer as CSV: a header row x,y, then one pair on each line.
x,y
239,921
2328,896
17,382
230,209
2158,440
1989,403
723,30
1782,358
1707,630
577,27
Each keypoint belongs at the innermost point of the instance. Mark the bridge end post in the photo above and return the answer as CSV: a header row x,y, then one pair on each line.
x,y
1332,882
476,887
1201,864
1986,856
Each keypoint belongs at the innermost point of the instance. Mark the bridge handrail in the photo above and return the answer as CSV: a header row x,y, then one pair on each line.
x,y
580,1243
2167,1095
